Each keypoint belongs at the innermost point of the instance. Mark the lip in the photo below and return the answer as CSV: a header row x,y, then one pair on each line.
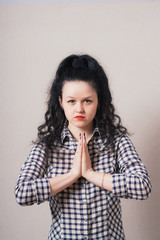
x,y
79,117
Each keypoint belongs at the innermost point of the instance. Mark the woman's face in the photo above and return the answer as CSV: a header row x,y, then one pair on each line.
x,y
79,102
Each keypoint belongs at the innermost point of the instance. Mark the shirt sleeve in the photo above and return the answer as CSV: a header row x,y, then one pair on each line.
x,y
132,179
32,186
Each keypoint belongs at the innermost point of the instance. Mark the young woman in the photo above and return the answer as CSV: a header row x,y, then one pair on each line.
x,y
83,161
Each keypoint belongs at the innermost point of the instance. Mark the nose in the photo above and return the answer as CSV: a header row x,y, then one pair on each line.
x,y
79,107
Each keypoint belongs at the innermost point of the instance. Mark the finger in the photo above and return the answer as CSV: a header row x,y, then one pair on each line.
x,y
85,141
84,145
78,150
79,147
85,150
79,139
82,140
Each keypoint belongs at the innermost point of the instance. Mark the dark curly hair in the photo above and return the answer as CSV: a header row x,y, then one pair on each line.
x,y
83,68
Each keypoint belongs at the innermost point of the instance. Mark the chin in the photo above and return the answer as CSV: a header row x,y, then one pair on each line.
x,y
80,125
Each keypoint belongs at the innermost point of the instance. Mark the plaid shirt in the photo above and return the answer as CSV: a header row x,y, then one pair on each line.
x,y
84,210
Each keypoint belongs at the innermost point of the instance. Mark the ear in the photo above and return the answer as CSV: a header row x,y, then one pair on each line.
x,y
60,101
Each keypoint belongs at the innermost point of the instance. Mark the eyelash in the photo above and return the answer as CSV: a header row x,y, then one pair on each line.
x,y
87,100
73,101
70,101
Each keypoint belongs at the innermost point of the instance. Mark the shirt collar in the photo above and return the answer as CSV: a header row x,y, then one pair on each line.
x,y
67,135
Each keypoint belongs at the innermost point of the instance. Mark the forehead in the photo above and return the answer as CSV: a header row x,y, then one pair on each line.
x,y
77,87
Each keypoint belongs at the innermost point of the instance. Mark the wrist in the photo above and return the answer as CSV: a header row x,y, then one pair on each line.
x,y
60,182
88,174
74,174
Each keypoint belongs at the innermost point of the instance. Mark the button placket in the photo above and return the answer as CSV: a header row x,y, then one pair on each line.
x,y
84,212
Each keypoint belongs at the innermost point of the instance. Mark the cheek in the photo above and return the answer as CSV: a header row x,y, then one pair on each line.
x,y
96,107
93,111
68,112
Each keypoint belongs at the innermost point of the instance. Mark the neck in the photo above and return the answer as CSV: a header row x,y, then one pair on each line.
x,y
76,131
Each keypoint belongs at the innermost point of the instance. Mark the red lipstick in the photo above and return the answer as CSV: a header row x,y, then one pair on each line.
x,y
79,117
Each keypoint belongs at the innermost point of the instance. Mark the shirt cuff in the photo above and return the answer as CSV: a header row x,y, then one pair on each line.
x,y
42,189
119,185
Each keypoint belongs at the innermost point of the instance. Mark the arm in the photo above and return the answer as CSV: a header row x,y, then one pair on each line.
x,y
100,179
32,187
97,178
132,181
59,183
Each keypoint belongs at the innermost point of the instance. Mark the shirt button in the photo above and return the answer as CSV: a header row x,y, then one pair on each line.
x,y
85,219
84,202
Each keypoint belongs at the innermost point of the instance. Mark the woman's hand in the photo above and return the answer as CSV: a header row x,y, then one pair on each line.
x,y
77,161
82,167
82,162
86,161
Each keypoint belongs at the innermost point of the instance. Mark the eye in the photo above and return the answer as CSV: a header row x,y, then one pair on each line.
x,y
71,101
87,101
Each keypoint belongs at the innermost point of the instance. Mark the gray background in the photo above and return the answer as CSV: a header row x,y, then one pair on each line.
x,y
125,37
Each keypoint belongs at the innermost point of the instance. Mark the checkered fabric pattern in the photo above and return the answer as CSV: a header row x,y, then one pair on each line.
x,y
83,210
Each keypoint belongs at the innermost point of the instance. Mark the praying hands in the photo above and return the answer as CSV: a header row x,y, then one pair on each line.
x,y
81,162
82,166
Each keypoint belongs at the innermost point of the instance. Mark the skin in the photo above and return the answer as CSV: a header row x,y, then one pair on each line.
x,y
79,98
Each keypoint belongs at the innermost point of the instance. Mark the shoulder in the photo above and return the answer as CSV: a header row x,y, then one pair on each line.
x,y
117,137
38,149
124,143
122,140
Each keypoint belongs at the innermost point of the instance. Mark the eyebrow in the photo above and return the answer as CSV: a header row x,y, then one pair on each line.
x,y
75,97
